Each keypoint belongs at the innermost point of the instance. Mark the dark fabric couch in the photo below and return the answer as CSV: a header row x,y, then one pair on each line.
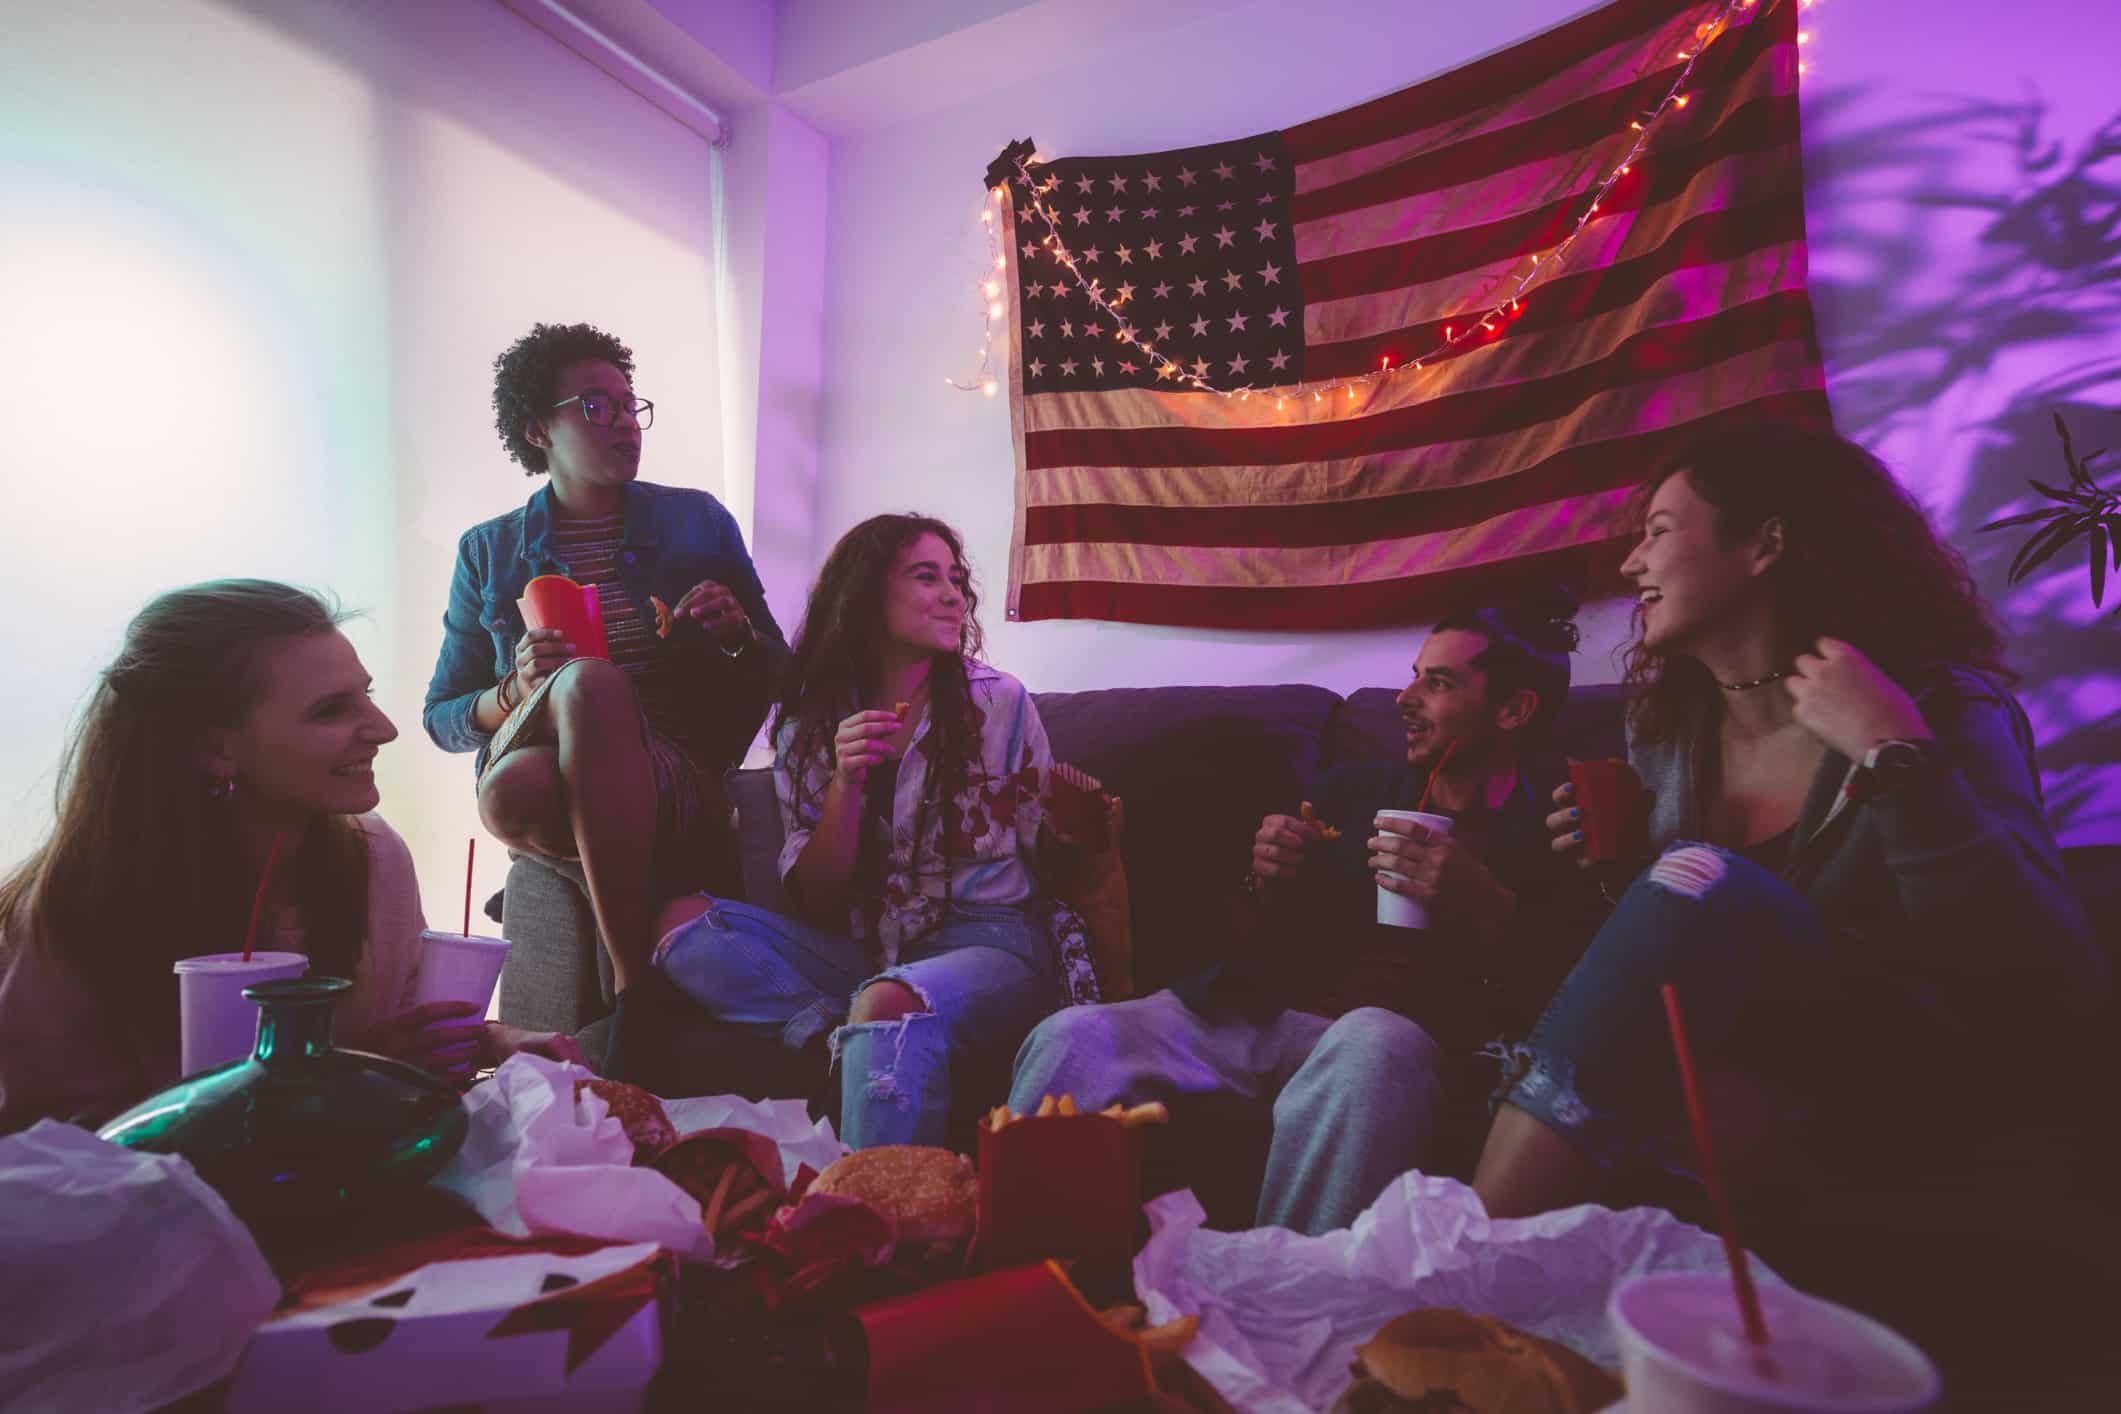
x,y
1197,767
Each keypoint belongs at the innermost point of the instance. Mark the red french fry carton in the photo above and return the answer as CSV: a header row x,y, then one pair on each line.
x,y
576,610
1059,1186
1018,1341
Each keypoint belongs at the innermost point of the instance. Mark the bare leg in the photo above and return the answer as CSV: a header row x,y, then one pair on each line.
x,y
885,1001
590,795
1527,1168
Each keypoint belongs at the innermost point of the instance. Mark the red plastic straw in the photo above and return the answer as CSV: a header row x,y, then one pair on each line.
x,y
471,852
1712,1174
257,904
1430,784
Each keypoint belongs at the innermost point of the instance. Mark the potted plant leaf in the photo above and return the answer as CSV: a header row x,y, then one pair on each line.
x,y
2084,508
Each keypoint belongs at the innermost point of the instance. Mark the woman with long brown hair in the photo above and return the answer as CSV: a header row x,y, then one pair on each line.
x,y
911,778
1855,889
235,714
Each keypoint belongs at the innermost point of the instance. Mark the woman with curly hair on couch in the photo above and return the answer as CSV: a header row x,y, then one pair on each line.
x,y
911,779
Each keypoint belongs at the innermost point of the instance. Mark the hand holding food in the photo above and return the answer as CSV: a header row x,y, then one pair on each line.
x,y
1325,831
538,653
715,609
1278,846
863,741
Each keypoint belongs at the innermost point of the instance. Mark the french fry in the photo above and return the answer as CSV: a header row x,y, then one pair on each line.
x,y
662,616
1325,831
1165,1341
721,1194
1066,1105
738,1213
1115,1110
900,709
1046,1107
1124,1319
1151,1113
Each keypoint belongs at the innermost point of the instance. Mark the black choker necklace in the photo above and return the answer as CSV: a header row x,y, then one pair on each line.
x,y
1776,676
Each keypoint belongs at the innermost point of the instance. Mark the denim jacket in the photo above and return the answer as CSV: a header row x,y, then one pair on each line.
x,y
675,537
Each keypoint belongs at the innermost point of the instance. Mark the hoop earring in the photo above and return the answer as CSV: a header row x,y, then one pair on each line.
x,y
221,790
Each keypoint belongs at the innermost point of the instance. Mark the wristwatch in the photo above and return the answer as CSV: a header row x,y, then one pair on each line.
x,y
1890,764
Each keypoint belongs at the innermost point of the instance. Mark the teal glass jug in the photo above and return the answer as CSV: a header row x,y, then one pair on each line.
x,y
302,1131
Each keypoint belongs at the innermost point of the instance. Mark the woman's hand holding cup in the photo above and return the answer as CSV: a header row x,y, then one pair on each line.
x,y
539,652
445,1038
1566,825
863,741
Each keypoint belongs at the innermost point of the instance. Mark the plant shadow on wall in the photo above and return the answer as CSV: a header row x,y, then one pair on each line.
x,y
1989,306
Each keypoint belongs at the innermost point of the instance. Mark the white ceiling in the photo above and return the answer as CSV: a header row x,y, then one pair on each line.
x,y
855,66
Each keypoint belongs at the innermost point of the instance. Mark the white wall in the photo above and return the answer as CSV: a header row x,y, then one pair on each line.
x,y
1912,286
256,260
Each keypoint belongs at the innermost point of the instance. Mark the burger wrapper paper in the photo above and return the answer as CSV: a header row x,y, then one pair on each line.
x,y
1281,1313
540,1161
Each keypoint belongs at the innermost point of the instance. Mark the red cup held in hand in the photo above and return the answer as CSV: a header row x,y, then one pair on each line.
x,y
1615,814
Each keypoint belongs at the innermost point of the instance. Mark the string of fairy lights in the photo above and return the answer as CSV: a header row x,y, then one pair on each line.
x,y
1458,334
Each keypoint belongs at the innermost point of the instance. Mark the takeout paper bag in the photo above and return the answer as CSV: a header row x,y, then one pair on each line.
x,y
538,1159
584,1325
129,1283
1281,1313
1018,1341
1058,1186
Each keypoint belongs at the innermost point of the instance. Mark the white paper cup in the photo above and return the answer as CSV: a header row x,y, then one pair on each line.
x,y
456,967
218,1027
1397,910
1683,1350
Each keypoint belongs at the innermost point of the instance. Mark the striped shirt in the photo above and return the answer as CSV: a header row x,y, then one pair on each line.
x,y
590,548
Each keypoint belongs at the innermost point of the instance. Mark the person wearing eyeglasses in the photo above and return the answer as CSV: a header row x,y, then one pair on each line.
x,y
617,765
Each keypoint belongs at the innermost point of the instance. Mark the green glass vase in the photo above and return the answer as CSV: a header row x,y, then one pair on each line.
x,y
302,1131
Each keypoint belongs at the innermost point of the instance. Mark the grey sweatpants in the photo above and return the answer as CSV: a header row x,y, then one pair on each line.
x,y
1355,1100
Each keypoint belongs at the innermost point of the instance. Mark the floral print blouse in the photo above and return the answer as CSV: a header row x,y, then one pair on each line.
x,y
998,815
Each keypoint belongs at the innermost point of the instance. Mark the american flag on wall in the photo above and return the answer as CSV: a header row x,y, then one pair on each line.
x,y
1284,270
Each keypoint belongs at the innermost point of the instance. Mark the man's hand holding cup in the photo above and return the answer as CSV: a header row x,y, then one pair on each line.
x,y
1421,867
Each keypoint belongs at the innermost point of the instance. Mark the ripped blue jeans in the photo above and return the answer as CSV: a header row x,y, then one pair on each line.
x,y
1765,998
985,978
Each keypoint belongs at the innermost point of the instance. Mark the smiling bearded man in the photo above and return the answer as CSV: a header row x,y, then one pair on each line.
x,y
1342,1024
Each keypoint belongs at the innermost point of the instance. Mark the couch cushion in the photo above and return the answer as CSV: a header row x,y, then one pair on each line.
x,y
1366,728
1197,768
758,833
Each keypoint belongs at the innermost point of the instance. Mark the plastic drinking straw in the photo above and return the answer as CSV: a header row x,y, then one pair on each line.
x,y
1712,1174
471,852
1430,784
257,904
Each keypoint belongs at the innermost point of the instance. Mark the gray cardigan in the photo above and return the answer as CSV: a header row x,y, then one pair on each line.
x,y
1951,891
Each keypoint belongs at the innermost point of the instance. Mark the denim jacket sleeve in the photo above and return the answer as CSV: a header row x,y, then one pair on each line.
x,y
465,666
1972,858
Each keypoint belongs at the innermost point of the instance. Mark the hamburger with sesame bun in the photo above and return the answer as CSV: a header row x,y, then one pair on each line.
x,y
1451,1362
931,1195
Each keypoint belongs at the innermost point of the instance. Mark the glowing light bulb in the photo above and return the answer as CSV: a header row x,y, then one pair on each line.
x,y
987,216
990,387
994,311
1680,101
991,288
1804,36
